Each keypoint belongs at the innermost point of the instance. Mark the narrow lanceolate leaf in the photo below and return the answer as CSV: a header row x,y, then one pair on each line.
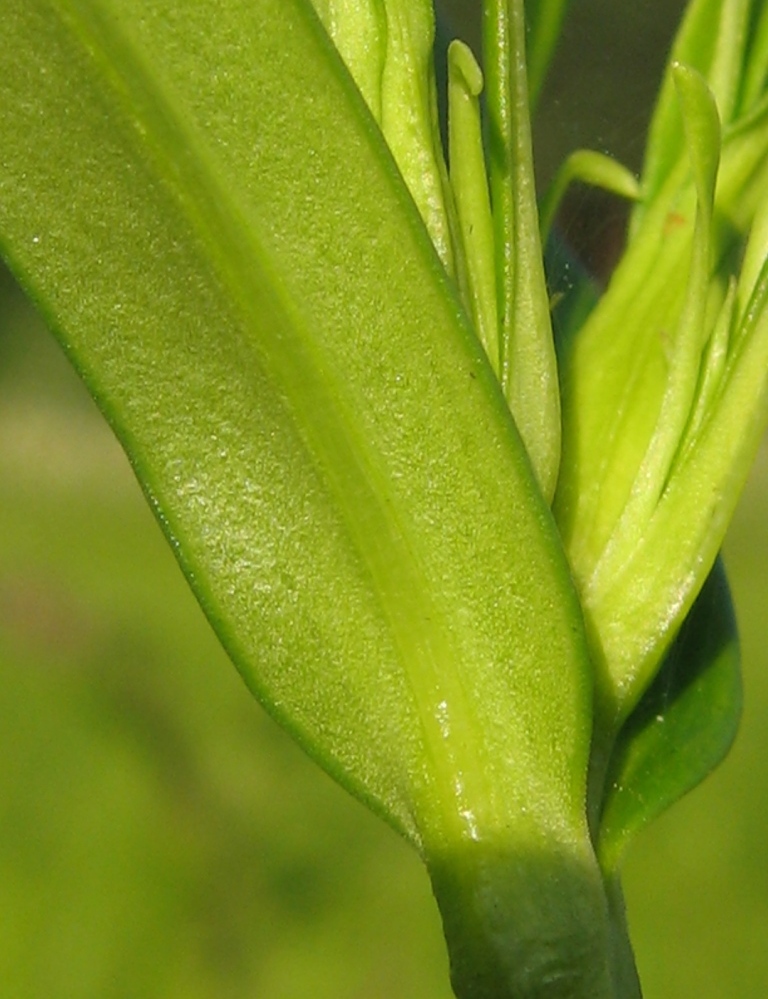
x,y
682,728
201,203
470,189
698,504
687,343
528,363
387,45
713,39
409,119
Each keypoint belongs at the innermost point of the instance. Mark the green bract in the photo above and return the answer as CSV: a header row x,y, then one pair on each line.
x,y
331,361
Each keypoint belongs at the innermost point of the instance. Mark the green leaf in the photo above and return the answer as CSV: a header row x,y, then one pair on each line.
x,y
387,45
651,592
359,32
409,118
528,362
684,356
682,728
201,203
470,189
648,481
713,39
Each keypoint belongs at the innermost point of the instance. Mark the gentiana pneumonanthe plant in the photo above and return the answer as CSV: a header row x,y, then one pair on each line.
x,y
471,563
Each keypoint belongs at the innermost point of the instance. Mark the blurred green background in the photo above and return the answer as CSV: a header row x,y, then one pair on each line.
x,y
161,838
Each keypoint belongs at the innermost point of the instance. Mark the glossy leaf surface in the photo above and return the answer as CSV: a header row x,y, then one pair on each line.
x,y
200,202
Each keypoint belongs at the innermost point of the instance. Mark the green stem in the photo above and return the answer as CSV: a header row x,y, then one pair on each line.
x,y
535,922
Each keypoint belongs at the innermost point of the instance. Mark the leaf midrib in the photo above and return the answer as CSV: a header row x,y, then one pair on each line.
x,y
323,413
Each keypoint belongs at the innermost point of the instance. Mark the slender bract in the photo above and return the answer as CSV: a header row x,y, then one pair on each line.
x,y
470,186
528,363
